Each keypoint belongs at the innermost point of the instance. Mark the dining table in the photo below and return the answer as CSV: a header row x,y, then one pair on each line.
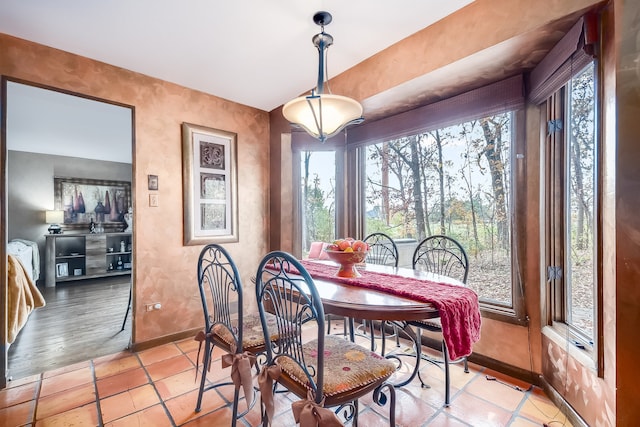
x,y
399,295
341,298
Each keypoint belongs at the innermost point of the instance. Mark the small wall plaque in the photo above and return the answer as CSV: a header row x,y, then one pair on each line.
x,y
153,182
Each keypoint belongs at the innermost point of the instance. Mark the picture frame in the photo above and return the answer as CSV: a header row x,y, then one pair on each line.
x,y
152,182
210,189
84,200
62,269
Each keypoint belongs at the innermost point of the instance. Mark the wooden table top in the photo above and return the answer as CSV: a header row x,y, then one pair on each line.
x,y
362,303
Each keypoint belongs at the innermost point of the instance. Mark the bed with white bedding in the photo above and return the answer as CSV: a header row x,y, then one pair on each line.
x,y
27,252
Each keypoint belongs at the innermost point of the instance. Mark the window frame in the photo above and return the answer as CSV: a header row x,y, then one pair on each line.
x,y
556,170
299,145
514,313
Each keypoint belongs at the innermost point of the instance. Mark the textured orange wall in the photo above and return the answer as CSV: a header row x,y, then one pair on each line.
x,y
479,26
164,269
592,397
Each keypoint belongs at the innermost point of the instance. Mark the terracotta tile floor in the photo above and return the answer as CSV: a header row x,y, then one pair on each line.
x,y
157,387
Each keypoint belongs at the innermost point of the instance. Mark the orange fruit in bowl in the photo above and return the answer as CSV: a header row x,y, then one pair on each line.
x,y
359,246
349,249
344,244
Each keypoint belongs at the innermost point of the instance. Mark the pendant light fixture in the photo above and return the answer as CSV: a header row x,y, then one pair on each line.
x,y
321,114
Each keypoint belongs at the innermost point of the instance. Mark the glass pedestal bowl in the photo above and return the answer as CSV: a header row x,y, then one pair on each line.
x,y
347,261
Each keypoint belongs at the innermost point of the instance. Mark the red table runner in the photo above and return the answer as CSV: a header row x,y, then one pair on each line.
x,y
457,305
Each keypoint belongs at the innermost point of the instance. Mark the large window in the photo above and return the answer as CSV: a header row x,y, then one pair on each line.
x,y
572,207
318,196
442,168
456,181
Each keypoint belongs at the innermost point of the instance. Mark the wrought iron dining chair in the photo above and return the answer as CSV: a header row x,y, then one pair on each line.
x,y
227,326
324,371
441,255
382,251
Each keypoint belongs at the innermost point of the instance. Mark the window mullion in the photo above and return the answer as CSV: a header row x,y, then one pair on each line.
x,y
555,201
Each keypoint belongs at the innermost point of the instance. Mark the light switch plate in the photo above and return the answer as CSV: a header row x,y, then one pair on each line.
x,y
153,200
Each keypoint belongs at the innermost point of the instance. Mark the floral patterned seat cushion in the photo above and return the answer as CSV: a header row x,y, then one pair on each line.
x,y
347,366
252,336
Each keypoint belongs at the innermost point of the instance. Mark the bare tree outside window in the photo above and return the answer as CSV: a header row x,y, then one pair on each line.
x,y
581,183
454,181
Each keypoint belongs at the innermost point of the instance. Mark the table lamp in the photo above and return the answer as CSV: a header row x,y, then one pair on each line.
x,y
54,218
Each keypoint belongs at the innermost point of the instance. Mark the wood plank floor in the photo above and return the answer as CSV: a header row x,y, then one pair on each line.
x,y
81,321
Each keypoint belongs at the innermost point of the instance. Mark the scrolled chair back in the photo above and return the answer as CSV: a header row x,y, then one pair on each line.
x,y
221,293
382,250
442,255
284,288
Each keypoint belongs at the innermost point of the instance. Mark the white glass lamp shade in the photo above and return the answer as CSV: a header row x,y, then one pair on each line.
x,y
54,217
324,115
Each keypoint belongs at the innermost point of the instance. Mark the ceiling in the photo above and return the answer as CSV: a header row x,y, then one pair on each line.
x,y
254,52
50,122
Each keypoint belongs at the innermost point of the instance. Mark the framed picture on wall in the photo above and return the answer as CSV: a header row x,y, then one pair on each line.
x,y
152,182
84,200
209,180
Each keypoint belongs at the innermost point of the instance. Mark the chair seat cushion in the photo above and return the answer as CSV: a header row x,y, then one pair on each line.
x,y
434,324
252,336
347,366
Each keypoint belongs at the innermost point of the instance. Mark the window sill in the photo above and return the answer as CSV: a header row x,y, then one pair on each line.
x,y
502,314
581,356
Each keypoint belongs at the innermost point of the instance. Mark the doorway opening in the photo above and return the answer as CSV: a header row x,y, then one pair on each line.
x,y
85,274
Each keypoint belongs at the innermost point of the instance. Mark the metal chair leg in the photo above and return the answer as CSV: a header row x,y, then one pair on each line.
x,y
383,338
128,308
236,396
381,398
355,415
447,378
445,363
344,325
208,349
373,335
